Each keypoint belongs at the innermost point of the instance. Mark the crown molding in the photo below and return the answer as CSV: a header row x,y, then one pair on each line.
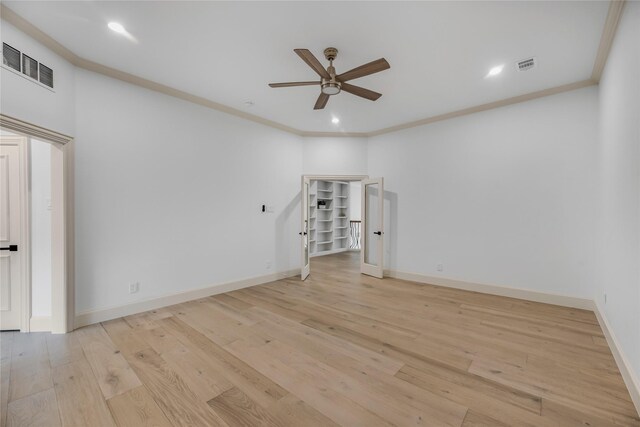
x,y
606,41
487,106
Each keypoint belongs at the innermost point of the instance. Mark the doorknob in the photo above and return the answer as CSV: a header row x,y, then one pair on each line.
x,y
379,233
10,248
300,233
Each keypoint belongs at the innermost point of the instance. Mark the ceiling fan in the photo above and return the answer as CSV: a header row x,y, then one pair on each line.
x,y
332,84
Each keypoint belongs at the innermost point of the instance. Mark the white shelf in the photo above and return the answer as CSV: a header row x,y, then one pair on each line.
x,y
332,193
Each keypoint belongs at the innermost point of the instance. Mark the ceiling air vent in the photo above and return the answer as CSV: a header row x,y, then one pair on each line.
x,y
10,57
526,64
46,75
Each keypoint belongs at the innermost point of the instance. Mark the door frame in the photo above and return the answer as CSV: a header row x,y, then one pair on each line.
x,y
355,178
62,225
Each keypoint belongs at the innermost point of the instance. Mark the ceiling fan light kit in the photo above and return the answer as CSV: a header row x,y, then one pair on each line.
x,y
332,83
330,87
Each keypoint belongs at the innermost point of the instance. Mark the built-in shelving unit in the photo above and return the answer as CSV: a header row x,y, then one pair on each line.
x,y
328,217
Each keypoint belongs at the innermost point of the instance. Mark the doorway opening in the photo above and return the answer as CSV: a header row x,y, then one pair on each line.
x,y
338,214
36,292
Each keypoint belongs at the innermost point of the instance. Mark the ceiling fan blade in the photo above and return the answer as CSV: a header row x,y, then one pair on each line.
x,y
290,84
364,70
321,102
360,91
312,62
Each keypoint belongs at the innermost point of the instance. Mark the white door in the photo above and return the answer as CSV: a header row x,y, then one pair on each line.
x,y
304,227
372,253
11,280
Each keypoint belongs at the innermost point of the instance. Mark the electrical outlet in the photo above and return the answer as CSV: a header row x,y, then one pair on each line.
x,y
268,265
134,287
440,267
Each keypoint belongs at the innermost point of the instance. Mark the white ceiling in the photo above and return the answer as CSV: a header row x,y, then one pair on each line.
x,y
439,52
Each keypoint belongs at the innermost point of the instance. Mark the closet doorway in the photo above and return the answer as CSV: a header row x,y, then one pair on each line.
x,y
339,214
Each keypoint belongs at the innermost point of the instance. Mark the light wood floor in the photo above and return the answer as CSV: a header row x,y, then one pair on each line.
x,y
338,349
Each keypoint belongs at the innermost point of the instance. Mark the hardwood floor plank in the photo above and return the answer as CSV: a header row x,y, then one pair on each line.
x,y
257,386
80,400
326,400
297,412
124,336
203,377
30,369
469,389
403,351
592,400
112,371
136,408
322,344
562,415
37,410
237,409
232,301
178,402
64,348
474,419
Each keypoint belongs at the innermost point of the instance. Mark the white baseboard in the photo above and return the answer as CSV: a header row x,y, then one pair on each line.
x,y
524,294
40,324
626,370
94,316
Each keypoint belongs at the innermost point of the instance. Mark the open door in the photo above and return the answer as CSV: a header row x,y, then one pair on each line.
x,y
372,253
304,234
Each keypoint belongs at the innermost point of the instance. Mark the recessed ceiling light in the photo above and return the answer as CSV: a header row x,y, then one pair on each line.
x,y
117,27
335,120
495,71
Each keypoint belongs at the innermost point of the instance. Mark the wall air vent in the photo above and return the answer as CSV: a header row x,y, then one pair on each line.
x,y
30,66
10,57
18,61
526,64
46,75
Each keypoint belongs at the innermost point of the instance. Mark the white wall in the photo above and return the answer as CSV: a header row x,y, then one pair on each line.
x,y
168,194
619,166
334,156
355,201
40,185
25,99
503,197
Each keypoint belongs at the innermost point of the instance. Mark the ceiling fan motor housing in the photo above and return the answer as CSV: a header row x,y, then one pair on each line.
x,y
330,53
